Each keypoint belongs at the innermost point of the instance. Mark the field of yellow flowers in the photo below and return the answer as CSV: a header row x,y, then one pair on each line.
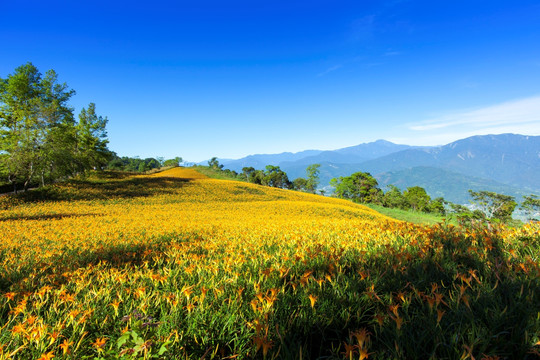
x,y
175,265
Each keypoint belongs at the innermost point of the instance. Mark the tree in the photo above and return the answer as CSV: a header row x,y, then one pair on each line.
x,y
417,198
531,206
359,187
465,216
91,134
300,184
312,172
494,206
248,171
59,131
19,116
275,177
258,177
393,198
437,206
214,163
35,125
173,162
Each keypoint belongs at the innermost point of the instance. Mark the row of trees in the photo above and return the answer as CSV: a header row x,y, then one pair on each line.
x,y
275,177
135,164
362,187
40,139
272,176
486,206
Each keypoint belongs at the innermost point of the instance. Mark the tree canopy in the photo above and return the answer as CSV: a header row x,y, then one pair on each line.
x,y
531,206
359,187
312,172
494,206
39,137
417,198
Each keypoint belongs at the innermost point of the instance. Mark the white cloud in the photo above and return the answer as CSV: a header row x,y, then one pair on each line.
x,y
517,113
520,116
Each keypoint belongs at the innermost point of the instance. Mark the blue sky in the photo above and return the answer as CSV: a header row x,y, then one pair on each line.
x,y
230,78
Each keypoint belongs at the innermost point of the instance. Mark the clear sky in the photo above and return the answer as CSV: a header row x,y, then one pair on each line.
x,y
230,78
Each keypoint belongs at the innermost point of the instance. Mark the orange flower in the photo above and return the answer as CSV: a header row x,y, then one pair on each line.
x,y
440,314
312,300
65,346
47,356
364,354
362,336
99,344
350,350
379,318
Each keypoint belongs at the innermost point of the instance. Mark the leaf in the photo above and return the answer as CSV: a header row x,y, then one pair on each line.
x,y
122,339
163,348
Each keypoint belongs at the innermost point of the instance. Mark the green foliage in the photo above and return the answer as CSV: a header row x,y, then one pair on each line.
x,y
312,172
91,134
417,198
217,173
408,215
495,206
134,164
359,187
173,162
437,206
39,138
531,206
300,184
393,198
248,171
465,216
272,176
275,177
214,163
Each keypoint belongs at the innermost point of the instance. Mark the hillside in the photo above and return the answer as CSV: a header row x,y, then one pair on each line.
x,y
177,265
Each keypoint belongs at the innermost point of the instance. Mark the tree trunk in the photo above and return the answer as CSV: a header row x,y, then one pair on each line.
x,y
12,180
29,178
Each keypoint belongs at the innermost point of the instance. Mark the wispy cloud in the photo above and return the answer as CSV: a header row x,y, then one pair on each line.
x,y
520,116
511,114
331,69
362,28
392,53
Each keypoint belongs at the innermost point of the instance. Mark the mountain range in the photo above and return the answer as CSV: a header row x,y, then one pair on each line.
x,y
506,163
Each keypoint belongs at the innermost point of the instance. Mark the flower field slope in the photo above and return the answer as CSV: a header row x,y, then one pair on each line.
x,y
176,265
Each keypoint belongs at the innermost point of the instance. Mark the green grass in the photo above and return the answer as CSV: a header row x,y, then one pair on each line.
x,y
215,174
410,216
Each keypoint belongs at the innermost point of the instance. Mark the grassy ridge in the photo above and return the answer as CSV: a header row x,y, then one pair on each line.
x,y
410,216
176,265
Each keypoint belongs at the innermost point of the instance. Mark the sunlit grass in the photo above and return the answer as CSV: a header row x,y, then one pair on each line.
x,y
411,216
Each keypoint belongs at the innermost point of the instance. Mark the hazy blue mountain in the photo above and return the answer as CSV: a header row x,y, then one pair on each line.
x,y
508,159
374,149
450,185
349,155
259,161
507,163
328,170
